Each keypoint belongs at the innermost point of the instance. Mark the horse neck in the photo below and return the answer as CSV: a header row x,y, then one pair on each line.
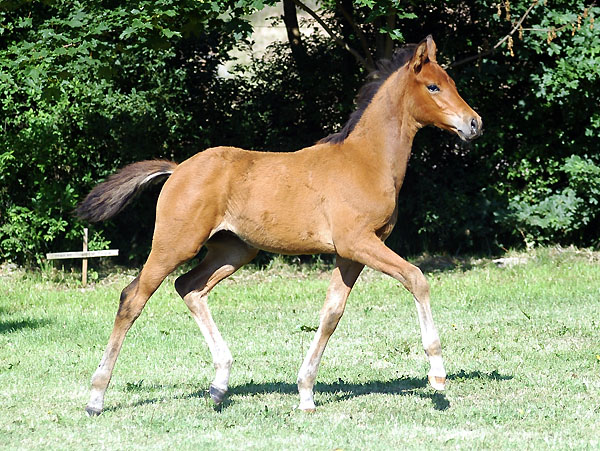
x,y
386,130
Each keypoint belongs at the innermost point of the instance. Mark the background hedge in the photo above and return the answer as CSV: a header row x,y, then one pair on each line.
x,y
87,87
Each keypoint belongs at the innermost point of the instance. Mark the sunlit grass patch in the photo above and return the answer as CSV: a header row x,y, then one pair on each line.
x,y
520,344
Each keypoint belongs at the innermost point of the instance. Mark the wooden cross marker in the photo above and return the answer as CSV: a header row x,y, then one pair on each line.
x,y
85,254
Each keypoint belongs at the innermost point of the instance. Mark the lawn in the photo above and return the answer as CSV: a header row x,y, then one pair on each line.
x,y
521,345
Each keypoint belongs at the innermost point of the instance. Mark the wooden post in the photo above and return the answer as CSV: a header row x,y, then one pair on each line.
x,y
84,261
85,254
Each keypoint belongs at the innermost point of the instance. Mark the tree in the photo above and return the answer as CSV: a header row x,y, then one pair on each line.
x,y
88,87
290,19
519,59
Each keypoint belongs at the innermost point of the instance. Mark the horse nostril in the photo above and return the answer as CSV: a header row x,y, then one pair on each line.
x,y
473,125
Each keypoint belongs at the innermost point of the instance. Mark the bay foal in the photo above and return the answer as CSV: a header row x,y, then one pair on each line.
x,y
338,197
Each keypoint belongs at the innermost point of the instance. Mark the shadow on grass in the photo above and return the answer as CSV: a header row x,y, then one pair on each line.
x,y
493,376
442,263
342,390
7,327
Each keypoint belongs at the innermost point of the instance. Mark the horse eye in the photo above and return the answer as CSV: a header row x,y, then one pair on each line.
x,y
433,88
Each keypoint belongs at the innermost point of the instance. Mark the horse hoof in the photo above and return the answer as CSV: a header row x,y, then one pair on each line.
x,y
308,408
92,411
437,382
217,394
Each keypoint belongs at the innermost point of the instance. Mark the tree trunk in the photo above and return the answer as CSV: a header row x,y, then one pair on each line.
x,y
383,41
346,29
290,19
391,24
345,25
351,30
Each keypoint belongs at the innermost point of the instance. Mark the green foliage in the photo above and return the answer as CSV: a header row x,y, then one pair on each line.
x,y
553,198
558,214
23,232
87,87
271,104
536,99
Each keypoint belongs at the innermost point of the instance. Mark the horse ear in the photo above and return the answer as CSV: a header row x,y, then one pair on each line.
x,y
424,53
431,49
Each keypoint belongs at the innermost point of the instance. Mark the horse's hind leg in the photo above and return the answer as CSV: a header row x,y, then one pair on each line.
x,y
226,254
133,299
165,256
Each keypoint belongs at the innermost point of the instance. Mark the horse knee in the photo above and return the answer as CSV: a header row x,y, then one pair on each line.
x,y
330,317
129,290
417,284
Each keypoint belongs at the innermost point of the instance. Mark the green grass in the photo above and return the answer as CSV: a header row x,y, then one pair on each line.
x,y
521,346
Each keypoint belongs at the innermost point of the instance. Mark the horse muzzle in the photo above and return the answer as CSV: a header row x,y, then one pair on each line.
x,y
469,129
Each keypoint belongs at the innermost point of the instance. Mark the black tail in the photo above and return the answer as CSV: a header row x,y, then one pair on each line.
x,y
111,196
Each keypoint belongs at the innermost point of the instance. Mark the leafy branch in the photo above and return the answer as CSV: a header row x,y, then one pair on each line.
x,y
508,37
339,41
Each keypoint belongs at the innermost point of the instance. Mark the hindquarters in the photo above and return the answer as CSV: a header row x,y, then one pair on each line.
x,y
192,204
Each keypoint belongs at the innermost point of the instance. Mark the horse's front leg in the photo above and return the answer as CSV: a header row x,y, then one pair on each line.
x,y
374,253
344,275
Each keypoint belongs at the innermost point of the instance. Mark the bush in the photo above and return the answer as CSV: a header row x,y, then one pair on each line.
x,y
86,88
559,215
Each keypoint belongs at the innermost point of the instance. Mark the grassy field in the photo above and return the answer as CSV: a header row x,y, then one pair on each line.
x,y
521,346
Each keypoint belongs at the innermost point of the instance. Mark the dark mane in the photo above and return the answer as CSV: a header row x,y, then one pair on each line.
x,y
377,78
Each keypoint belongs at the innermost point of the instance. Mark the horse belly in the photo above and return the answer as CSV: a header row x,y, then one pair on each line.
x,y
282,230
